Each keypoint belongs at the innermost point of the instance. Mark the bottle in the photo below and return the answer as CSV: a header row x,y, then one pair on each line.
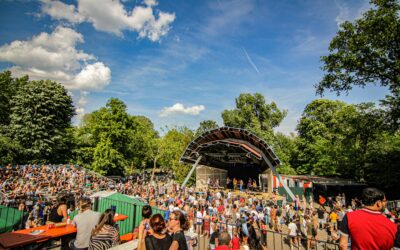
x,y
68,221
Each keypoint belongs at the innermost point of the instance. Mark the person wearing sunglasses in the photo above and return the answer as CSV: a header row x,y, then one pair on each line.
x,y
177,225
159,239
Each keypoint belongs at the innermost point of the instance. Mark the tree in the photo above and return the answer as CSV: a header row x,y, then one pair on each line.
x,y
367,51
206,126
335,138
319,130
41,115
106,159
8,89
143,143
254,114
382,164
9,151
127,137
285,149
176,141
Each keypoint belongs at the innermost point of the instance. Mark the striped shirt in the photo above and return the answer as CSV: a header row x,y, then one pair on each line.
x,y
106,238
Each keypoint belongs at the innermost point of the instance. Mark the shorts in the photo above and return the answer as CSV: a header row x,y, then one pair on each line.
x,y
199,223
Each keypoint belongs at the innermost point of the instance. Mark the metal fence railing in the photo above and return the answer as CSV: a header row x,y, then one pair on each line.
x,y
269,238
391,205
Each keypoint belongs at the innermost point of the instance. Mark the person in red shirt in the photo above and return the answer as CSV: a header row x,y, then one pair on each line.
x,y
368,228
224,241
321,200
235,242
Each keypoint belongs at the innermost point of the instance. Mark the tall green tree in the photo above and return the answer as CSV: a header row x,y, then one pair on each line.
x,y
8,89
143,143
318,131
10,151
111,132
176,140
106,159
105,133
285,148
253,113
367,51
41,114
205,126
335,138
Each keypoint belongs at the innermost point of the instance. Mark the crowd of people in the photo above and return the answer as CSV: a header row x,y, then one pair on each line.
x,y
227,218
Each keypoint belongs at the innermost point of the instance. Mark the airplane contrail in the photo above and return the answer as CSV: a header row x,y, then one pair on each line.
x,y
251,61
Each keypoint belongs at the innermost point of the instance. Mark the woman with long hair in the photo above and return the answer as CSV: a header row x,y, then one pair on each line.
x,y
105,235
176,225
159,239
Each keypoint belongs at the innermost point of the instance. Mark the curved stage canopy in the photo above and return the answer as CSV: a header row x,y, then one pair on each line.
x,y
224,147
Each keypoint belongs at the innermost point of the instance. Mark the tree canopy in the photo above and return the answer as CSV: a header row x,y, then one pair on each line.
x,y
206,126
254,114
367,51
41,113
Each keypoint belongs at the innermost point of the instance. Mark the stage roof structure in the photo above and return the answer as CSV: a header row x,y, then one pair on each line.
x,y
226,146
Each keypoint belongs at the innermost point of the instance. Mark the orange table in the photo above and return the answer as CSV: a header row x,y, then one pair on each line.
x,y
53,232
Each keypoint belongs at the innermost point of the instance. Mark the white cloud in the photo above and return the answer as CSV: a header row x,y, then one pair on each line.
x,y
54,56
150,2
80,104
350,13
61,11
178,108
93,76
111,16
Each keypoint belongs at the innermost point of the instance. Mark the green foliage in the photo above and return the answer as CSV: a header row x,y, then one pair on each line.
x,y
382,164
175,142
129,140
367,51
8,89
206,126
9,151
335,138
41,115
106,159
143,141
254,114
285,148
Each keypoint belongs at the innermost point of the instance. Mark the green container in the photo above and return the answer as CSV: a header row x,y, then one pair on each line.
x,y
10,218
128,206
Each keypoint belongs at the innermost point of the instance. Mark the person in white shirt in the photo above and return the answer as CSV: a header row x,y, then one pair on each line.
x,y
292,233
199,220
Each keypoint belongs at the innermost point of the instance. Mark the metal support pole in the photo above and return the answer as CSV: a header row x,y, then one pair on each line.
x,y
191,172
287,189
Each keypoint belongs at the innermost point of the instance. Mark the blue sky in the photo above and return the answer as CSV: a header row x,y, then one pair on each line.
x,y
178,62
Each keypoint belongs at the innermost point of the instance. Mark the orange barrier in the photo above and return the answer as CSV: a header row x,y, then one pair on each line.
x,y
126,237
